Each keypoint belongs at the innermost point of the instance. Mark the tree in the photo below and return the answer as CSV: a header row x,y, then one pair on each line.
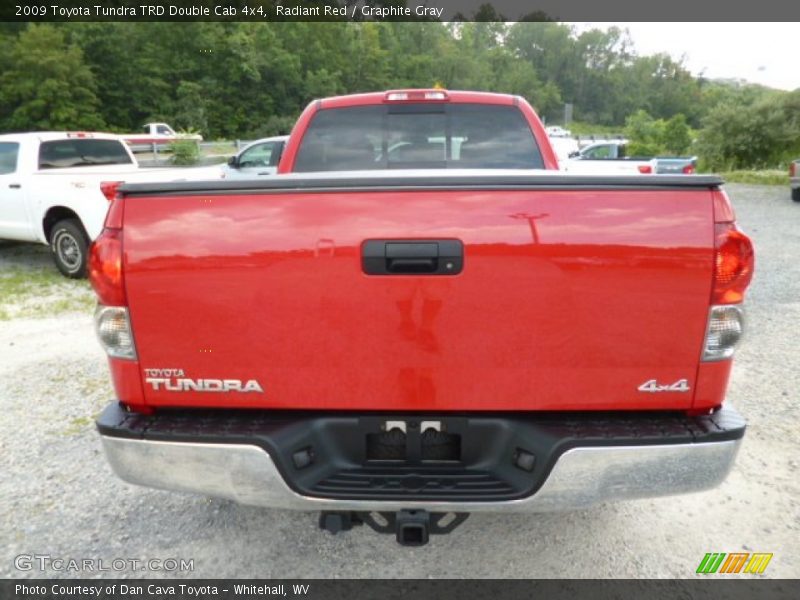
x,y
649,136
645,134
247,79
47,85
762,134
676,135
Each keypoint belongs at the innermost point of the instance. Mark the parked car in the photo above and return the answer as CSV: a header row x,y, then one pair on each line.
x,y
159,135
258,158
667,165
564,147
55,188
794,178
555,131
407,333
608,158
611,156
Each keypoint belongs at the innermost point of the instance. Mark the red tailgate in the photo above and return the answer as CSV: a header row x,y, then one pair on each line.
x,y
568,299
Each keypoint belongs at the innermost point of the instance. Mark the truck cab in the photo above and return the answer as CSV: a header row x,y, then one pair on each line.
x,y
155,136
158,129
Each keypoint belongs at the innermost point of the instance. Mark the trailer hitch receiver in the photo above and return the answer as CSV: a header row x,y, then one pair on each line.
x,y
410,527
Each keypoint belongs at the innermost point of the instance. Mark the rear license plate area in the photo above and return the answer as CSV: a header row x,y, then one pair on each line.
x,y
415,441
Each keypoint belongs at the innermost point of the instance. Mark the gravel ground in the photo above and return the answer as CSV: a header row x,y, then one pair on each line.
x,y
58,497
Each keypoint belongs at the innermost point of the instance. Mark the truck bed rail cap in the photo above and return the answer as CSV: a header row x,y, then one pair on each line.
x,y
423,179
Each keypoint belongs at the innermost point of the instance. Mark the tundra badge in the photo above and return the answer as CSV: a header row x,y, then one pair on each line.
x,y
173,380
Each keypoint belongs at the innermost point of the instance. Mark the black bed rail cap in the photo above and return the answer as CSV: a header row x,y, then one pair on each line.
x,y
363,181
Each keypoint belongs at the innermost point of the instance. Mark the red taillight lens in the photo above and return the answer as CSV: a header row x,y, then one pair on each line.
x,y
105,268
688,169
733,264
645,169
793,169
109,189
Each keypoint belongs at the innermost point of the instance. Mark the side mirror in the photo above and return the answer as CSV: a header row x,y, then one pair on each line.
x,y
574,154
233,162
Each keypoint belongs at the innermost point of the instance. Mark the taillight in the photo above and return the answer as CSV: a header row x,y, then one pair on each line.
x,y
688,169
724,330
113,327
645,169
109,189
733,264
793,169
111,319
105,268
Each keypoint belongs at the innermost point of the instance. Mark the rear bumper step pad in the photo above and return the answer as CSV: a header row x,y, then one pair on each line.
x,y
535,461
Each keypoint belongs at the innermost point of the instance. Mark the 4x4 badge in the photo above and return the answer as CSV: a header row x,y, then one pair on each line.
x,y
652,386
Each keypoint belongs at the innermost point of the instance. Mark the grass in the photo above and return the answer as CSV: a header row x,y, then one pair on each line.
x,y
32,287
760,177
219,147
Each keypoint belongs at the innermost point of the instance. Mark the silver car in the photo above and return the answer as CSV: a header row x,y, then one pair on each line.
x,y
257,159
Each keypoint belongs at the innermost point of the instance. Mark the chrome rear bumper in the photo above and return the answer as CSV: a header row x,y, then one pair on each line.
x,y
580,477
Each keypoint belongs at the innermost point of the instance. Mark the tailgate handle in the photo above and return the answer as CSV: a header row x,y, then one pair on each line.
x,y
412,265
412,257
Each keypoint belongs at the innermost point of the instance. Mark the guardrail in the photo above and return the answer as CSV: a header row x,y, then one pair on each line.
x,y
159,154
234,146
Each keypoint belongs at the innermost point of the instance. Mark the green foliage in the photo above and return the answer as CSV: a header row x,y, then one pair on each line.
x,y
274,125
644,131
654,137
230,79
764,133
190,109
184,152
46,84
676,135
245,80
583,128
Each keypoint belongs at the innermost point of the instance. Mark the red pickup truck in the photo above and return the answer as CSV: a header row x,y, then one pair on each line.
x,y
421,318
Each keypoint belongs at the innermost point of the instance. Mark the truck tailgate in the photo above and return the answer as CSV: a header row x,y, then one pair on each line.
x,y
572,295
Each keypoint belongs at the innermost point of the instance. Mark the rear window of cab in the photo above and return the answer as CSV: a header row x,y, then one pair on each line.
x,y
63,154
418,136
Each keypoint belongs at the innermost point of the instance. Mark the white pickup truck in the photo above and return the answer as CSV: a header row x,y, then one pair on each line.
x,y
158,134
55,188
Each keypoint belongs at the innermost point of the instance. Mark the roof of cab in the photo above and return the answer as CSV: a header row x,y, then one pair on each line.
x,y
49,136
454,97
